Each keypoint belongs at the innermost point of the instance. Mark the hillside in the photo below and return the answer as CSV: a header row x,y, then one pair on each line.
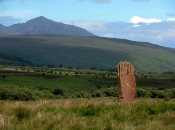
x,y
2,29
86,52
42,25
6,59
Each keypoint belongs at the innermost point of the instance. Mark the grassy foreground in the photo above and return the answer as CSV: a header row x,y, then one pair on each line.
x,y
87,114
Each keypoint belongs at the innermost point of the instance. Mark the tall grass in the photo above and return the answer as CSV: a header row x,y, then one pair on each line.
x,y
87,114
22,113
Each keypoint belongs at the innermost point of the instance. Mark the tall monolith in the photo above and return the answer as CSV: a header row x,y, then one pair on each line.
x,y
127,84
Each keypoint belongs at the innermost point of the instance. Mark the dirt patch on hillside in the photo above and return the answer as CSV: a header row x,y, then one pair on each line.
x,y
50,77
14,72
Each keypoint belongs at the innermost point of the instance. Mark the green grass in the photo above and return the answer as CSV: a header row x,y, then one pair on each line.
x,y
63,82
22,113
88,114
84,81
68,80
25,85
86,52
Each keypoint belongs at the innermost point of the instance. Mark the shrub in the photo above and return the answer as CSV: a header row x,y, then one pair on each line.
x,y
58,92
43,74
3,76
158,94
22,94
140,92
97,93
110,92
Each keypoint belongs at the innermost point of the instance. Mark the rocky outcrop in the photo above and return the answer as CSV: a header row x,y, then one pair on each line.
x,y
127,84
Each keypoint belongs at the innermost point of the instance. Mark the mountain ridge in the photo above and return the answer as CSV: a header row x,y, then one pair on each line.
x,y
42,25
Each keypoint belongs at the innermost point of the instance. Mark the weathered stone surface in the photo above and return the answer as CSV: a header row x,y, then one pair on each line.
x,y
127,84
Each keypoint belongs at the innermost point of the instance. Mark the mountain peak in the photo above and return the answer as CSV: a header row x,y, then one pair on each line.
x,y
40,19
42,25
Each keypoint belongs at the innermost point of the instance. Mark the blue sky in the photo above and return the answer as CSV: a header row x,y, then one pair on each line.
x,y
140,20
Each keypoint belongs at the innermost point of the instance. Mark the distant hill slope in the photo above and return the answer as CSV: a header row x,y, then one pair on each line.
x,y
6,59
42,25
2,29
86,52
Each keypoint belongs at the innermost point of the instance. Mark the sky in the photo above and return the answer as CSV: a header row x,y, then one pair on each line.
x,y
139,20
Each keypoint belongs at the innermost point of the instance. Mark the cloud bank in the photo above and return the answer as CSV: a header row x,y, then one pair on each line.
x,y
171,19
156,32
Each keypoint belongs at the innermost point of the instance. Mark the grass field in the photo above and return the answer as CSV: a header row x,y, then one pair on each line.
x,y
66,81
79,79
72,79
40,83
87,114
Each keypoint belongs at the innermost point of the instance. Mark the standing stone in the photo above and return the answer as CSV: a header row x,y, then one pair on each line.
x,y
127,84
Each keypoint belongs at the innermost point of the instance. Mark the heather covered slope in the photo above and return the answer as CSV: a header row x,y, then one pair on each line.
x,y
86,52
6,59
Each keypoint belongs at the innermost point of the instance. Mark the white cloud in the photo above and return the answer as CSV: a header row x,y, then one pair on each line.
x,y
89,25
98,1
136,20
8,20
161,33
171,19
136,25
109,35
169,34
10,17
20,14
